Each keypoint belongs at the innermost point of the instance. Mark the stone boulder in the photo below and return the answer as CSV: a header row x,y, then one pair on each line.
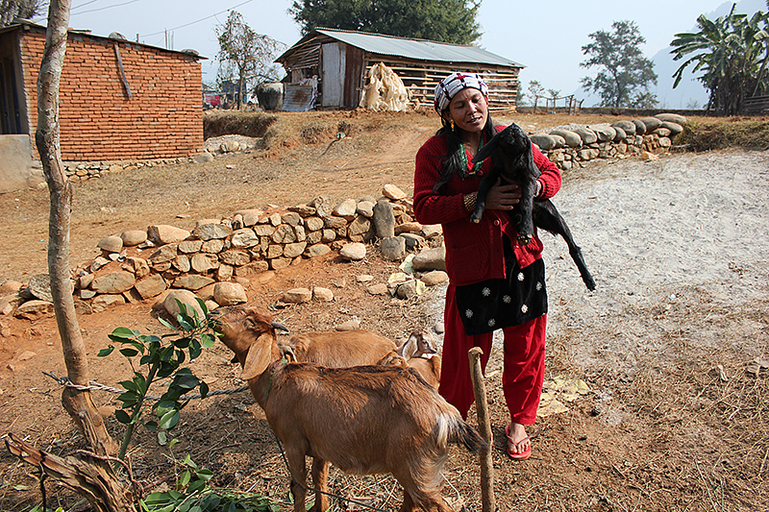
x,y
229,294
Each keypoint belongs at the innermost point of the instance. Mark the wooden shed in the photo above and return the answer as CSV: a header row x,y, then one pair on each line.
x,y
118,100
341,60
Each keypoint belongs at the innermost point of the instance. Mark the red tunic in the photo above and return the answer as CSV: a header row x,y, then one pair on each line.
x,y
474,252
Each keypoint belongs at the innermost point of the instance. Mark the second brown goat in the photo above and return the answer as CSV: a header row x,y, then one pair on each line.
x,y
364,420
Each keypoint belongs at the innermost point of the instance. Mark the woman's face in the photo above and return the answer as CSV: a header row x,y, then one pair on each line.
x,y
469,109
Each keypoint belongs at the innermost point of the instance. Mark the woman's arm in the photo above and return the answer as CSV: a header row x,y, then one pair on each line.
x,y
550,179
430,207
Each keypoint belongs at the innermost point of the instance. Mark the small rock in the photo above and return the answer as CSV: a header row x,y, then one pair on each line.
x,y
10,287
186,297
111,244
40,287
393,192
435,277
26,355
297,296
377,289
229,294
346,209
393,248
364,278
430,259
349,325
192,282
354,251
116,282
133,237
164,234
322,294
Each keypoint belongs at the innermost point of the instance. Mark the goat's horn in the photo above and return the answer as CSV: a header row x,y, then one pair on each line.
x,y
280,326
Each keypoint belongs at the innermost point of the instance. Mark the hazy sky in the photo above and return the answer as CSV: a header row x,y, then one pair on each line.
x,y
546,36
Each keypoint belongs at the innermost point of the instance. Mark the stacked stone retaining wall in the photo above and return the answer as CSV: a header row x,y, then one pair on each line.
x,y
574,145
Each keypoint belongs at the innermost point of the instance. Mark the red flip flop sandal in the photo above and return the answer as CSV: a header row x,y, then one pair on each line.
x,y
520,455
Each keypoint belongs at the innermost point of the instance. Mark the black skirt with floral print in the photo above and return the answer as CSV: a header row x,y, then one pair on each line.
x,y
499,303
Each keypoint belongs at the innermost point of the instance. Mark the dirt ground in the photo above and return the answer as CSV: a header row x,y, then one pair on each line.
x,y
673,344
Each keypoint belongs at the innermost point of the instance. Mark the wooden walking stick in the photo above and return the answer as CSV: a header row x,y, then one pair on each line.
x,y
482,408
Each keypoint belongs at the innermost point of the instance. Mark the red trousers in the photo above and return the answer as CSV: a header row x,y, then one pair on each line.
x,y
523,358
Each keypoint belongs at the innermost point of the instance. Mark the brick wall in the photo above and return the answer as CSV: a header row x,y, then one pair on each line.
x,y
163,119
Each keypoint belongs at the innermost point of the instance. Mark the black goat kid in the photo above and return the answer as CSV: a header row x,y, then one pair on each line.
x,y
514,161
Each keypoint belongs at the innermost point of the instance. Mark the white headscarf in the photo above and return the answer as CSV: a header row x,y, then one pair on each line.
x,y
452,84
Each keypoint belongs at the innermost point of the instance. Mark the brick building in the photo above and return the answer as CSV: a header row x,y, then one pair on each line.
x,y
118,100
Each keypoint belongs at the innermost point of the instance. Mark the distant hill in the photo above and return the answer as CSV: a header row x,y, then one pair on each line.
x,y
689,93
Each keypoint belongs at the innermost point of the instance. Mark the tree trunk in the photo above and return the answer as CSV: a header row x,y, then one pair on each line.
x,y
77,403
89,475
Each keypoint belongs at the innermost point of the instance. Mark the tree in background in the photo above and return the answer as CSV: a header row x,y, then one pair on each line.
x,y
246,58
623,68
732,52
449,21
10,9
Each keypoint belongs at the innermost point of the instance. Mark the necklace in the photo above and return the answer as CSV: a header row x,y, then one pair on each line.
x,y
464,171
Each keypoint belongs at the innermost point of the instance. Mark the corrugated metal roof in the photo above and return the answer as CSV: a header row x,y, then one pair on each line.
x,y
418,49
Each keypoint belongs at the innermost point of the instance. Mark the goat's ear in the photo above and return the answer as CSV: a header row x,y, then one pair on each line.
x,y
258,357
487,149
425,345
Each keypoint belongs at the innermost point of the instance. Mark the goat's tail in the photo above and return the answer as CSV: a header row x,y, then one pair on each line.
x,y
452,429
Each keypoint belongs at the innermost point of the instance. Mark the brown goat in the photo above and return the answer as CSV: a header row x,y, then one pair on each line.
x,y
420,354
364,420
340,349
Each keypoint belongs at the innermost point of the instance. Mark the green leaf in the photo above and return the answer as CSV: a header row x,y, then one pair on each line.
x,y
185,382
188,460
182,342
128,352
122,417
203,389
197,485
204,474
129,399
184,479
203,306
129,385
207,340
165,406
105,351
124,333
169,420
166,369
195,349
151,425
172,443
184,322
166,323
162,437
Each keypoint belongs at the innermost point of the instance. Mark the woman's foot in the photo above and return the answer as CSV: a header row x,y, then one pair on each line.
x,y
518,442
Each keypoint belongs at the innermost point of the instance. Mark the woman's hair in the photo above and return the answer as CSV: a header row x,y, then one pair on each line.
x,y
451,161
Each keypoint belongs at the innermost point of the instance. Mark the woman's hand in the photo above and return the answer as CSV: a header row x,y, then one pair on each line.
x,y
503,196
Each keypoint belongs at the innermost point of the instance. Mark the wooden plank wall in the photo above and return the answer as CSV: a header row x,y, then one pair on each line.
x,y
421,79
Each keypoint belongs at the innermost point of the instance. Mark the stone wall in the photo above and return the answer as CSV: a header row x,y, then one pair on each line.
x,y
219,257
575,145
